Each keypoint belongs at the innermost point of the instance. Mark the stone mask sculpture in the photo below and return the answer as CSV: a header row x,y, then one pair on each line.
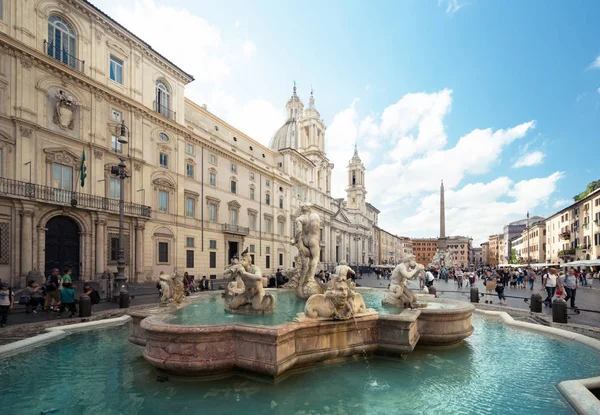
x,y
306,240
398,293
245,293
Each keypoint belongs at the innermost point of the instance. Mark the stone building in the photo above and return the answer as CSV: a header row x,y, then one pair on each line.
x,y
493,251
74,82
424,249
573,233
477,257
485,250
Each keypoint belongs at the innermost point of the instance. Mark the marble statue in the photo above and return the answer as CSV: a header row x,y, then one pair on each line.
x,y
245,293
171,288
441,259
235,284
64,111
339,301
306,240
398,293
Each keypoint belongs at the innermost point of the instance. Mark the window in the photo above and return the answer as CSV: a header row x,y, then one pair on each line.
x,y
212,211
252,176
190,149
280,260
252,248
62,177
268,198
252,220
116,70
252,193
163,252
189,258
281,203
189,242
164,160
189,170
597,239
189,207
163,201
267,262
267,183
61,40
233,217
268,225
163,137
114,249
213,159
280,228
252,258
115,145
212,259
267,250
116,115
233,168
233,186
114,189
162,103
212,244
212,178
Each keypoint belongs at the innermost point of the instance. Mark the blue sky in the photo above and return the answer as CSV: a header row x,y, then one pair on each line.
x,y
427,91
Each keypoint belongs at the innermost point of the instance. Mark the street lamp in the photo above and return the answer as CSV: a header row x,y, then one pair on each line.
x,y
120,172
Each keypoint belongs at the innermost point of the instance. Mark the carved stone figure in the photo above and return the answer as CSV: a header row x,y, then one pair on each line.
x,y
64,111
339,302
252,299
171,288
235,284
178,287
398,293
440,260
306,240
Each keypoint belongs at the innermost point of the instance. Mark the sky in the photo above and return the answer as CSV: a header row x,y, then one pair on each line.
x,y
499,99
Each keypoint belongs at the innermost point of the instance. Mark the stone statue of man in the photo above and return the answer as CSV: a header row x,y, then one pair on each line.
x,y
307,237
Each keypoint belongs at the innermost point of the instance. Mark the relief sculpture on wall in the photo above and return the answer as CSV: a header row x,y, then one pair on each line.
x,y
64,111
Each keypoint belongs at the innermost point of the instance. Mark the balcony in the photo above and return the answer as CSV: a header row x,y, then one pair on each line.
x,y
36,192
584,247
234,229
164,111
565,235
63,57
566,253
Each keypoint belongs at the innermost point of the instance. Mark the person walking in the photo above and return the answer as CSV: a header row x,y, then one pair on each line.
x,y
490,286
7,302
549,284
67,300
570,284
500,291
531,278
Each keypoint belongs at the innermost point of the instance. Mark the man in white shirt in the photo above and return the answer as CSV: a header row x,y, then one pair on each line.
x,y
549,283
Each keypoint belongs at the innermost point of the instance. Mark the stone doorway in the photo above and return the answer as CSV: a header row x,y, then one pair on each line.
x,y
63,245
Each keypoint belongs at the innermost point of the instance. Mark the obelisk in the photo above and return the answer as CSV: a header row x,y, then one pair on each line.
x,y
442,244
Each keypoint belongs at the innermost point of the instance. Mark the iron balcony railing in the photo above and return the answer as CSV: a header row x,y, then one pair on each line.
x,y
235,229
63,56
68,197
164,111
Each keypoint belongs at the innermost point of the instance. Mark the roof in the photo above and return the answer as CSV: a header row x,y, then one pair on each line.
x,y
286,136
593,194
372,207
137,38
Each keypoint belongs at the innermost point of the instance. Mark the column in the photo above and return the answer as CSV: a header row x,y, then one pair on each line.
x,y
26,242
139,252
86,248
100,246
41,265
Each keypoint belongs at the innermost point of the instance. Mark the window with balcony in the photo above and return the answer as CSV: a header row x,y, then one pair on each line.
x,y
164,160
189,170
114,188
189,207
116,70
61,41
162,103
163,201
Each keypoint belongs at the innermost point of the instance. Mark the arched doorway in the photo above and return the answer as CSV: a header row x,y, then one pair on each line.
x,y
62,245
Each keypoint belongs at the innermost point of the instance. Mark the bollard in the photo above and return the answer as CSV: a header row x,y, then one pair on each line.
x,y
474,294
432,290
85,306
536,303
559,311
123,299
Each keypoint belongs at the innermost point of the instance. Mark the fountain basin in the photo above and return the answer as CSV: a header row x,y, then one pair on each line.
x,y
270,351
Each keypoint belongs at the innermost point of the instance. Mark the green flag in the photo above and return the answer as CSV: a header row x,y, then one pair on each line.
x,y
83,169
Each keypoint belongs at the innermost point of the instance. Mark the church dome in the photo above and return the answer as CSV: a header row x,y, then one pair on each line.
x,y
286,136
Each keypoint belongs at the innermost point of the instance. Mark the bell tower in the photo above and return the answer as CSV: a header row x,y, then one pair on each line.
x,y
356,190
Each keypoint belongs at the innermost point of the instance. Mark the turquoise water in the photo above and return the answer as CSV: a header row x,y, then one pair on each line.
x,y
211,311
498,370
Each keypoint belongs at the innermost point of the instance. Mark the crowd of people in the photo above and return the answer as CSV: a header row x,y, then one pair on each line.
x,y
55,295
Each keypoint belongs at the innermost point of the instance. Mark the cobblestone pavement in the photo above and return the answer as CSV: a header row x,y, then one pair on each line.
x,y
587,298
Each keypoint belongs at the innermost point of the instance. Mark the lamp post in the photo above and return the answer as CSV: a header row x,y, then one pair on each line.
x,y
119,171
528,254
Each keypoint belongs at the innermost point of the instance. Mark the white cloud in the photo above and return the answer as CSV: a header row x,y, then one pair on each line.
x,y
595,64
249,48
530,159
452,6
238,23
561,203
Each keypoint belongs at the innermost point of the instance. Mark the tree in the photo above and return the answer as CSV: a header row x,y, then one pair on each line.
x,y
513,256
589,189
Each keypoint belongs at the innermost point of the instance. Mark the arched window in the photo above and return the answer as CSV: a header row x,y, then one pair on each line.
x,y
61,40
162,99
